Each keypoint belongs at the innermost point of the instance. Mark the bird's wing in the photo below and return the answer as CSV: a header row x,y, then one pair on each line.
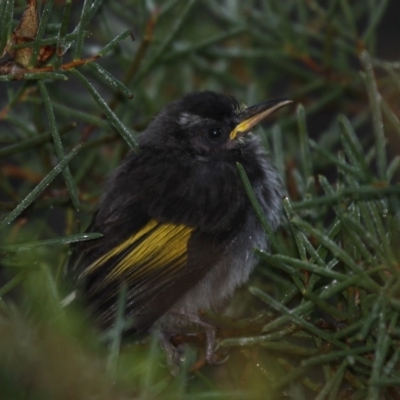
x,y
159,263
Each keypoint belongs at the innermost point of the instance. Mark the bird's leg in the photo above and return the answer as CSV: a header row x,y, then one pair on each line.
x,y
209,330
210,346
170,351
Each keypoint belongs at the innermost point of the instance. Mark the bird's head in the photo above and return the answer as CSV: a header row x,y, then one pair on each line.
x,y
207,123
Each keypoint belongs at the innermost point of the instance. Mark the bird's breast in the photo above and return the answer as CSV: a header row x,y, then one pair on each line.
x,y
236,263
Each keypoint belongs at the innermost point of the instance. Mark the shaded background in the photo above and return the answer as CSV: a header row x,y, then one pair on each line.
x,y
310,51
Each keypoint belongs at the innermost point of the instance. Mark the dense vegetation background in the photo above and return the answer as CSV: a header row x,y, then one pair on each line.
x,y
320,316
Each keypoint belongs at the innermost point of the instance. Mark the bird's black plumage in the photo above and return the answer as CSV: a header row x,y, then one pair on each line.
x,y
177,224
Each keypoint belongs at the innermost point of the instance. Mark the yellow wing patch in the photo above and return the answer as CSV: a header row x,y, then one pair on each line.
x,y
155,246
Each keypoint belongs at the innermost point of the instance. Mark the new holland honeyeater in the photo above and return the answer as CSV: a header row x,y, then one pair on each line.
x,y
177,225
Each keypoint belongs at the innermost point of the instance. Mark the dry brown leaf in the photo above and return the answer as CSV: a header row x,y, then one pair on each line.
x,y
17,61
26,31
29,24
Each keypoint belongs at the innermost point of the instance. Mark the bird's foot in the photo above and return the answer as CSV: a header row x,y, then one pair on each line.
x,y
175,350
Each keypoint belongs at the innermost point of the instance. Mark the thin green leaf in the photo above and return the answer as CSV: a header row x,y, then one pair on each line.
x,y
33,76
33,142
110,80
72,189
61,39
257,208
110,46
80,29
375,104
167,41
39,188
114,120
117,329
6,20
81,237
304,142
43,21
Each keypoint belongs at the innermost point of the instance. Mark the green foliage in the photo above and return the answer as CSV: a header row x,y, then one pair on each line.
x,y
320,316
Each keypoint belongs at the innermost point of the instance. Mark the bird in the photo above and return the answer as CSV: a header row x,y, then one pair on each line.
x,y
178,228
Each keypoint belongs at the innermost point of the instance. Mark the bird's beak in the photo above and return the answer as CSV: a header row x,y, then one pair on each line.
x,y
252,115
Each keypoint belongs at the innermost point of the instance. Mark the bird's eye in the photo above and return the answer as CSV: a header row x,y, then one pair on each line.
x,y
214,133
